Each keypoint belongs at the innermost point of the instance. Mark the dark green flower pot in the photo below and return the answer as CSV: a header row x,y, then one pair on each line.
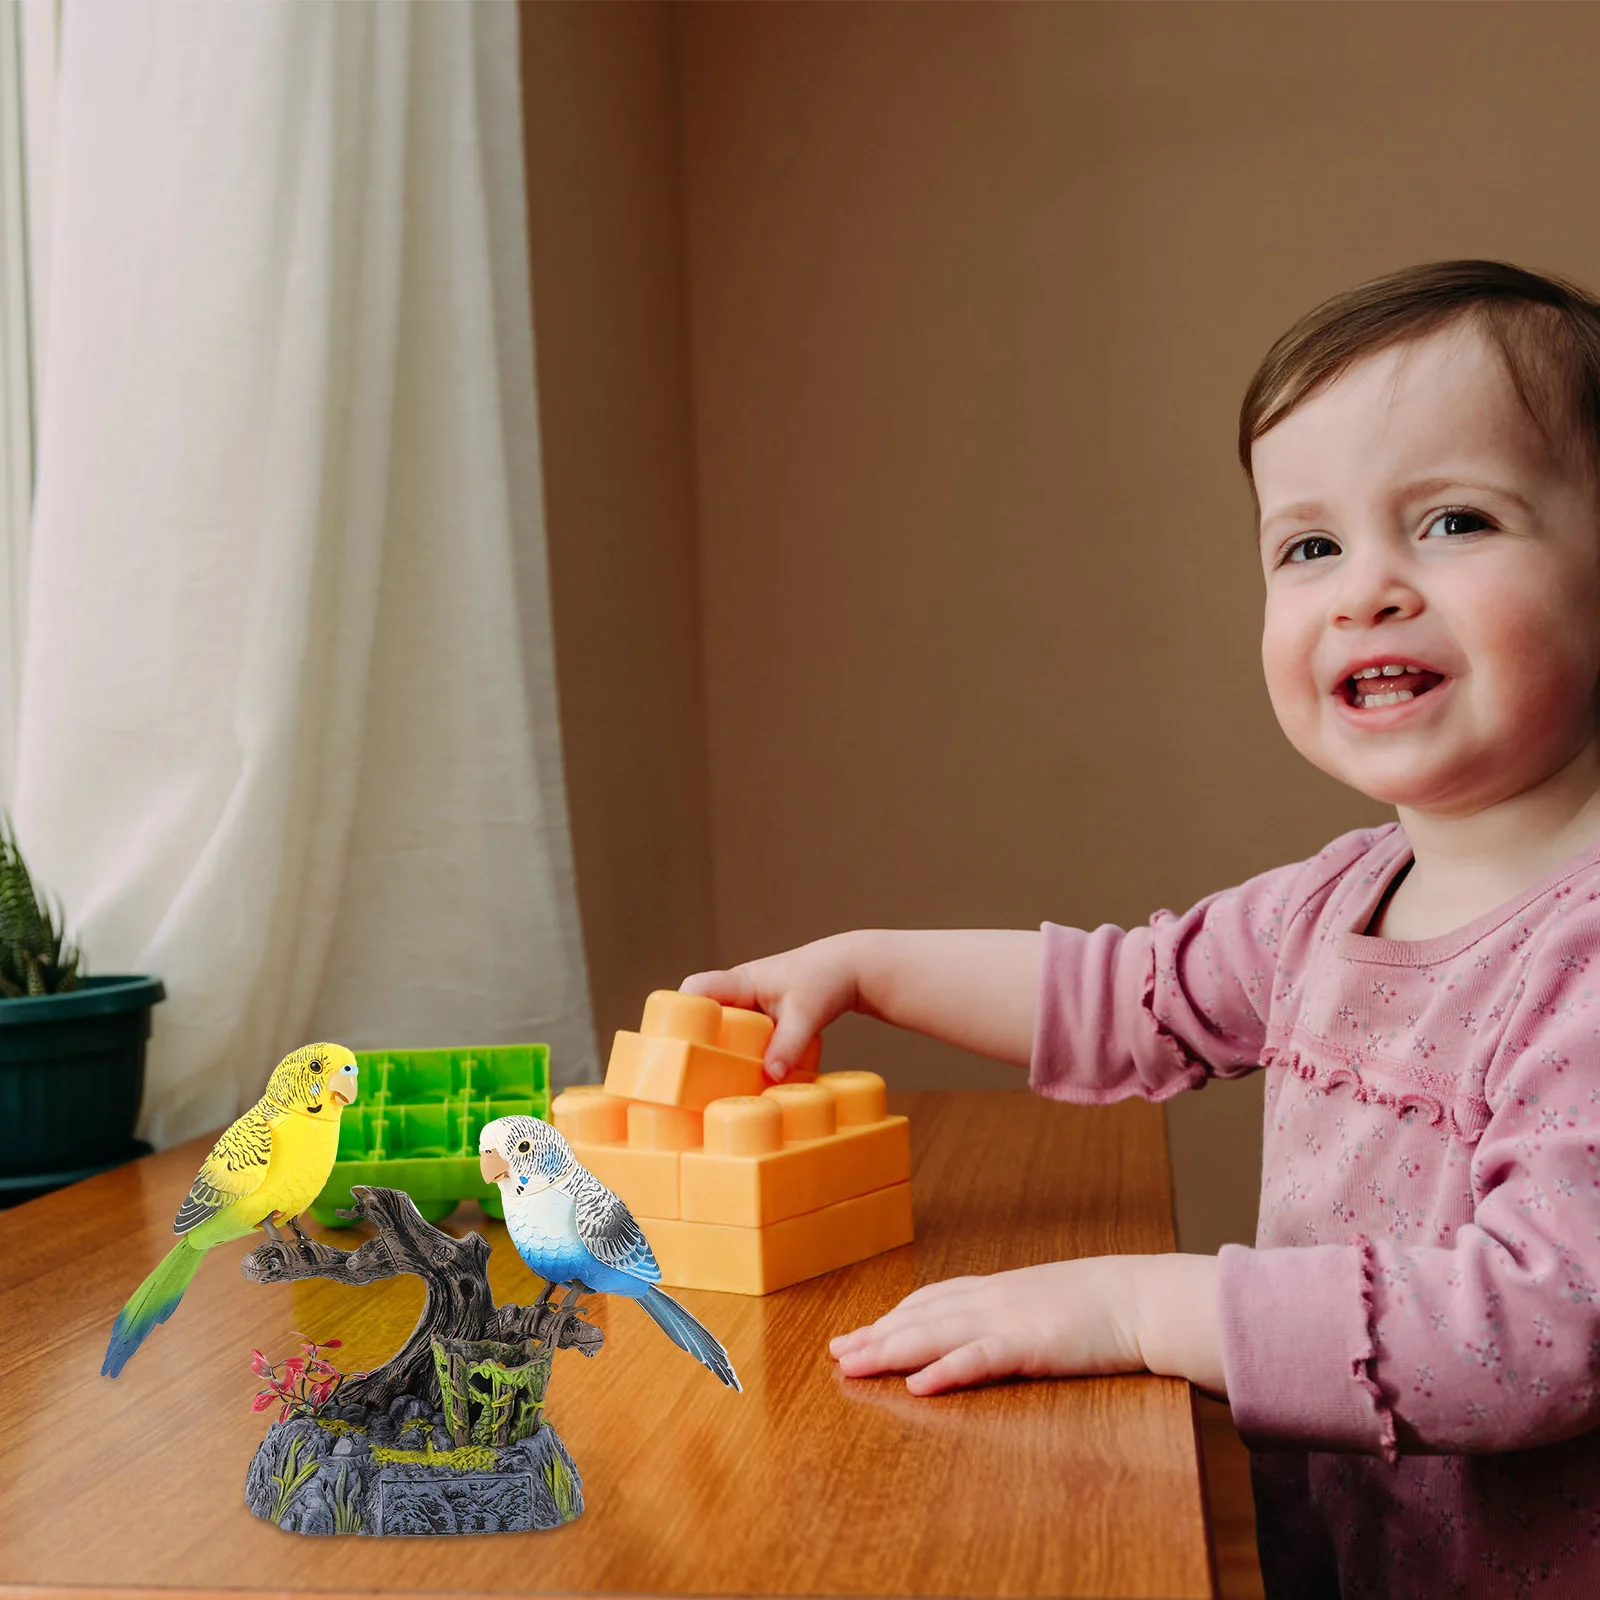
x,y
71,1077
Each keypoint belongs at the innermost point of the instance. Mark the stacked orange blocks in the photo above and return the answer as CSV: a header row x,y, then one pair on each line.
x,y
740,1185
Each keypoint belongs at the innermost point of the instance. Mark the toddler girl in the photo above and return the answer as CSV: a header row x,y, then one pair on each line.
x,y
1412,1349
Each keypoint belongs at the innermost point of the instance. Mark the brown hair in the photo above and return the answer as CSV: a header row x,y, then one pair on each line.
x,y
1546,329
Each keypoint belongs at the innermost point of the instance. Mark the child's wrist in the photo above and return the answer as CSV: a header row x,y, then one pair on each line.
x,y
866,958
1175,1318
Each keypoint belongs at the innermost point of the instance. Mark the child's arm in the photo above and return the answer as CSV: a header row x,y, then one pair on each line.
x,y
976,988
979,989
1097,1016
1101,1314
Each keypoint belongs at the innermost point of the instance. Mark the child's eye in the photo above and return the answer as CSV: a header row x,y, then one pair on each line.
x,y
1456,523
1312,547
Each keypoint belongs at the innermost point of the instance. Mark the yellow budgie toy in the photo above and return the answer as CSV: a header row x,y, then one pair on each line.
x,y
266,1168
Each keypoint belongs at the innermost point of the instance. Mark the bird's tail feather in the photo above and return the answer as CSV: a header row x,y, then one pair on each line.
x,y
687,1334
153,1301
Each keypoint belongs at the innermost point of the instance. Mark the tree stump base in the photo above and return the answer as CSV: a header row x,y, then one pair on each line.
x,y
393,1453
335,1473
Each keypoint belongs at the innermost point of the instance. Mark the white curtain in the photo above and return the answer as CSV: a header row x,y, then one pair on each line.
x,y
280,742
17,197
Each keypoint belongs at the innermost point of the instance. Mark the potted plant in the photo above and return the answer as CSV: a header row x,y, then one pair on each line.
x,y
71,1046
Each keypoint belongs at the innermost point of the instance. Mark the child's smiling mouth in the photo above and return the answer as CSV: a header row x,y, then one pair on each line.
x,y
1379,684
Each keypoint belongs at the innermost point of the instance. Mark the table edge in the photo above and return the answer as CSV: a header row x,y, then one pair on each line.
x,y
74,1591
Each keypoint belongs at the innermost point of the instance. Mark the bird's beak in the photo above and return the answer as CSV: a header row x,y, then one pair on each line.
x,y
493,1166
339,1095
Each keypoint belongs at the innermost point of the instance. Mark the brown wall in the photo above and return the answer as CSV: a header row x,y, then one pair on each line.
x,y
973,291
607,256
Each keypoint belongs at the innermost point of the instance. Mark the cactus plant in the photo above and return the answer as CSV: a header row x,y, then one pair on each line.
x,y
35,956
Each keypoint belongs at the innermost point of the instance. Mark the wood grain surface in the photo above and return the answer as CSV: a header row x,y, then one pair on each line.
x,y
805,1484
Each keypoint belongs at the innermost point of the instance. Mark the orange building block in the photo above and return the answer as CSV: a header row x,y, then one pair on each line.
x,y
653,1127
755,1191
710,1255
681,1055
792,1150
743,1125
647,1180
690,1051
586,1114
643,1172
806,1109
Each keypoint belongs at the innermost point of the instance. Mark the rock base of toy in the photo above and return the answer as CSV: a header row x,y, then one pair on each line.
x,y
351,1470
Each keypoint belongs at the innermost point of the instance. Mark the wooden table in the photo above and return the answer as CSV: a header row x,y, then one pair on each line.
x,y
805,1484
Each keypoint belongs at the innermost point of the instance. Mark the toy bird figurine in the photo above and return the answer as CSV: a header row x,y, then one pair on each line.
x,y
267,1167
570,1228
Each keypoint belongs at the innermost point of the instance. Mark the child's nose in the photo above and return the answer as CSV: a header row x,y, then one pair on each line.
x,y
1375,584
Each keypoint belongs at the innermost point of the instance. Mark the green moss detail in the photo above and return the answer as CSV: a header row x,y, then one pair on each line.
x,y
335,1425
468,1458
346,1517
559,1481
492,1392
290,1480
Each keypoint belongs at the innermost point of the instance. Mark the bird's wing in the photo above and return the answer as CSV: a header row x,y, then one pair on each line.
x,y
608,1231
235,1168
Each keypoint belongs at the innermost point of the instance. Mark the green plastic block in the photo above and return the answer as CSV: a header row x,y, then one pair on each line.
x,y
417,1122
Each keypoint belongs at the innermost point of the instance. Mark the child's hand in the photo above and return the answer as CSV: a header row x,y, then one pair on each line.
x,y
976,988
1100,1314
802,990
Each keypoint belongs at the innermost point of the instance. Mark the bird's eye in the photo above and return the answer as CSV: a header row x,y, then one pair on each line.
x,y
317,1066
524,1147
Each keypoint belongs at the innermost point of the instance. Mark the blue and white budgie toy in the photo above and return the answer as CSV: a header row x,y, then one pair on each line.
x,y
570,1228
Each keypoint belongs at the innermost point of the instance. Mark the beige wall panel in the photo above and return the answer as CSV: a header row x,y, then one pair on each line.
x,y
975,291
607,259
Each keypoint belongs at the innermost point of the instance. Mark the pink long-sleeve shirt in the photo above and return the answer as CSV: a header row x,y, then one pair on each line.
x,y
1412,1348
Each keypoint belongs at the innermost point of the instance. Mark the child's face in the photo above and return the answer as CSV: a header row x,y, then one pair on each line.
x,y
1414,515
